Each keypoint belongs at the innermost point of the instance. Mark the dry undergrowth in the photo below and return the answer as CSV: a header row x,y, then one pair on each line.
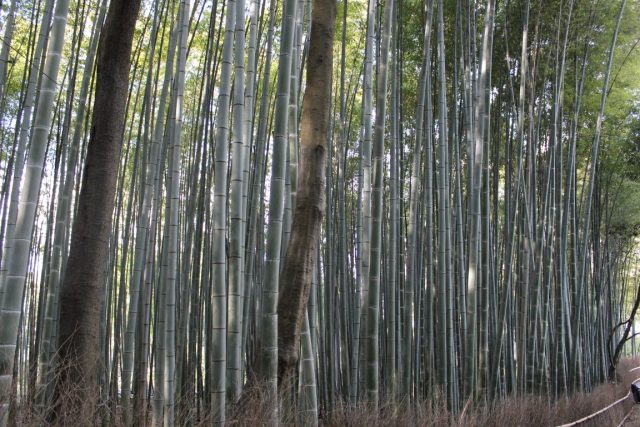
x,y
529,411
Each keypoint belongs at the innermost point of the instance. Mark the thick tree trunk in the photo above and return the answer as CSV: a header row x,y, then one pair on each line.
x,y
80,304
297,271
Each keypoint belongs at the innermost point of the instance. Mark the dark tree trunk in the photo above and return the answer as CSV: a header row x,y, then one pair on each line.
x,y
614,354
82,287
297,267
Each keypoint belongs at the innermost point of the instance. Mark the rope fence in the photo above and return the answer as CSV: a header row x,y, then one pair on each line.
x,y
606,408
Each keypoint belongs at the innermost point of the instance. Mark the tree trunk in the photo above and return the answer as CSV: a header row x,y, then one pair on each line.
x,y
297,272
81,292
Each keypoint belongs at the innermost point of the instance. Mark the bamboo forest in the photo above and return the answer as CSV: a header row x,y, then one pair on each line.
x,y
273,212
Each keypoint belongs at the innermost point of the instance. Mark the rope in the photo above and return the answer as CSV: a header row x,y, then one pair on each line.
x,y
595,414
605,409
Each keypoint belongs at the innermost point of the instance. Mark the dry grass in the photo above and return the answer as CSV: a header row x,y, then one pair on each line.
x,y
78,406
527,411
534,411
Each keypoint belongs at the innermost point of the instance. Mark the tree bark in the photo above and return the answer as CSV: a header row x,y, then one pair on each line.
x,y
82,287
628,324
297,271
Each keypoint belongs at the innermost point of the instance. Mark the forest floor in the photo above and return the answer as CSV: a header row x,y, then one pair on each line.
x,y
608,404
529,411
634,419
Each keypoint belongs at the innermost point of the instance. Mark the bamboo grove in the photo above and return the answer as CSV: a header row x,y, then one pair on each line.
x,y
481,205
